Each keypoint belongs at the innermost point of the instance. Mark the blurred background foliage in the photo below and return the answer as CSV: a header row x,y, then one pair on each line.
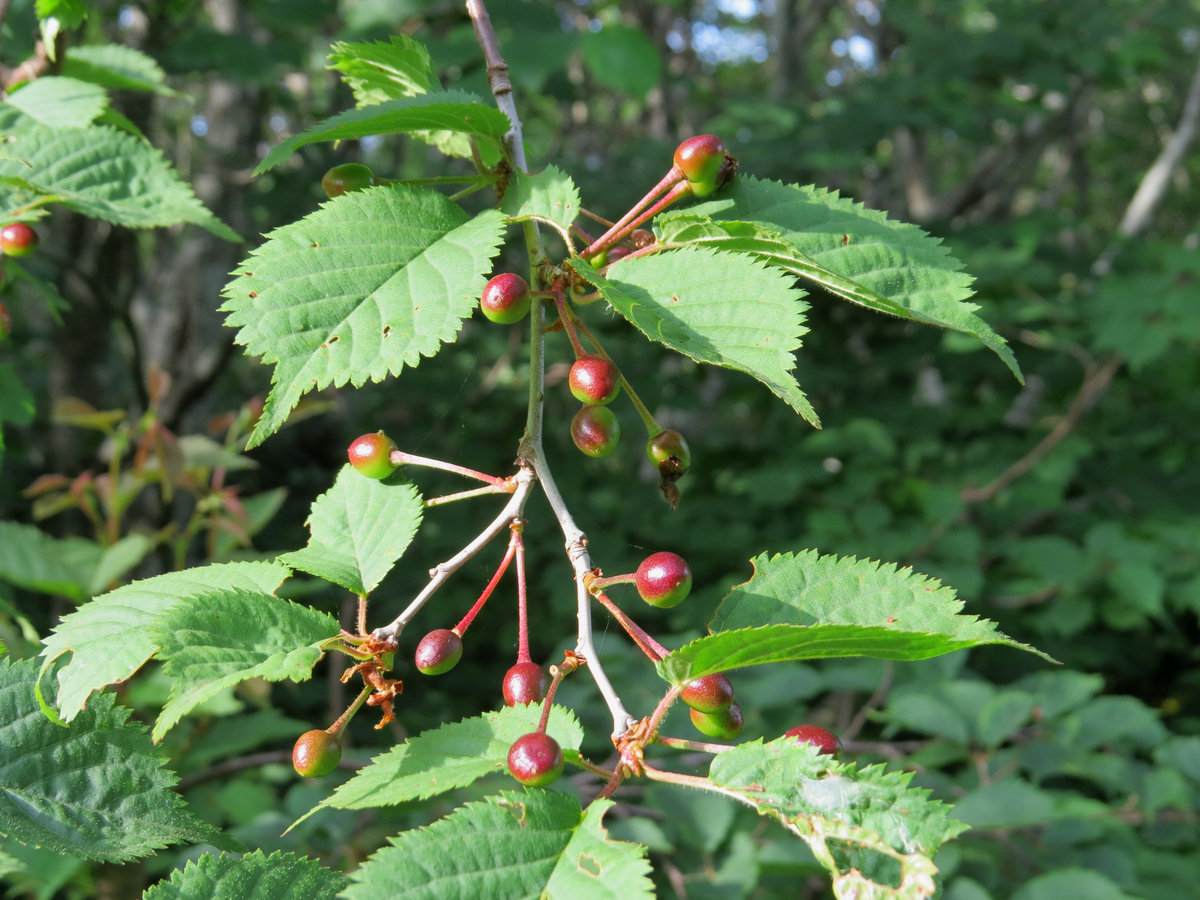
x,y
1049,143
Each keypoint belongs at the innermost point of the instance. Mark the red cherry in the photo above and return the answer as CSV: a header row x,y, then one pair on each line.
x,y
663,579
700,159
316,753
708,694
822,738
370,455
595,430
18,239
505,299
438,652
535,759
525,682
594,380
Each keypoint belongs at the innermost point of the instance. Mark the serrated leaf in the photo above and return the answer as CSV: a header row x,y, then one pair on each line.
x,y
117,67
894,261
517,845
97,171
16,400
833,807
223,640
96,790
549,195
60,102
367,284
378,71
34,560
816,607
253,876
360,527
453,111
449,757
717,308
110,638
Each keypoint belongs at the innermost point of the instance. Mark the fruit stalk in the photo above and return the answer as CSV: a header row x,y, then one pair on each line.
x,y
646,644
627,223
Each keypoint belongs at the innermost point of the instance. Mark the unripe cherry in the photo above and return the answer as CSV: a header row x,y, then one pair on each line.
x,y
700,159
506,298
595,430
663,579
670,453
18,239
594,380
535,759
525,682
315,753
724,724
370,455
822,738
708,694
346,178
618,253
438,652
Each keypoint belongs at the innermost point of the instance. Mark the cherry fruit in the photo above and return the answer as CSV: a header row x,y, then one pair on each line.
x,y
594,380
595,430
822,738
618,253
316,753
18,239
346,178
709,694
438,652
525,682
664,579
506,299
370,455
535,759
724,724
700,159
670,453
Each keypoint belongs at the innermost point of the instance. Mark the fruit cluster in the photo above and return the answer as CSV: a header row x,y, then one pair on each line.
x,y
663,579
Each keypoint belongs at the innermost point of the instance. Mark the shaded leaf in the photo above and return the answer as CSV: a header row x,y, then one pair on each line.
x,y
717,308
623,58
454,111
369,283
360,527
378,71
538,843
887,263
34,560
117,67
60,102
226,639
253,876
96,790
110,637
449,757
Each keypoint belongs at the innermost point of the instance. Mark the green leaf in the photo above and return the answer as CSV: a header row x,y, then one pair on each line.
x,y
97,171
253,876
379,71
117,67
877,262
69,13
454,111
34,560
369,283
60,102
96,790
834,807
816,607
533,844
360,527
110,637
622,58
16,400
1071,882
450,757
717,308
220,641
550,196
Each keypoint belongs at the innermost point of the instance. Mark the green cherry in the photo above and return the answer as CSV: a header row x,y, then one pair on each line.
x,y
346,178
370,455
700,159
506,299
724,724
18,239
595,430
316,753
